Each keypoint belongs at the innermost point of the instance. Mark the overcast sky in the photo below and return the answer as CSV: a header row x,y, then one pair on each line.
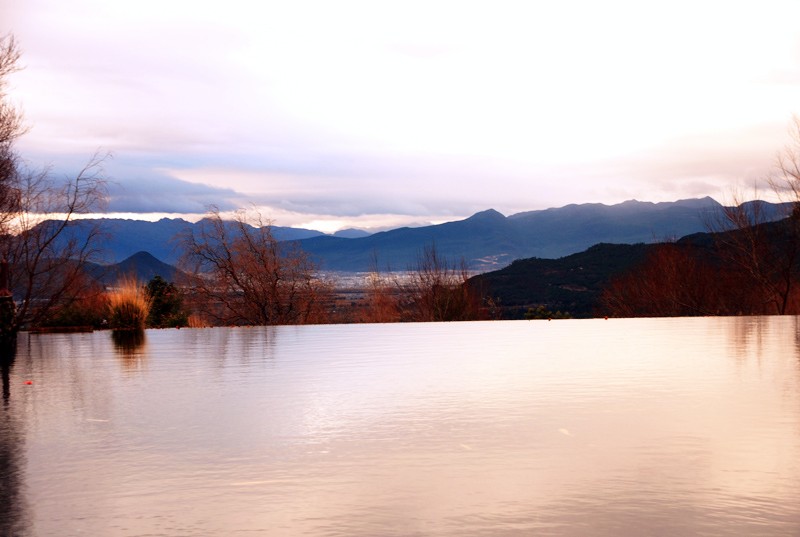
x,y
336,113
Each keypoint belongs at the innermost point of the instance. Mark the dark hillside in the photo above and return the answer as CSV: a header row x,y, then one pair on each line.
x,y
142,265
752,271
570,284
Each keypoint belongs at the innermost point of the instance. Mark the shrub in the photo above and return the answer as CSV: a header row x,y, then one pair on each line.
x,y
129,306
197,321
540,312
87,311
166,304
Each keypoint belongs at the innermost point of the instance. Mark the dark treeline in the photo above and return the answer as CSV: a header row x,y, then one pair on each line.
x,y
243,279
433,291
750,271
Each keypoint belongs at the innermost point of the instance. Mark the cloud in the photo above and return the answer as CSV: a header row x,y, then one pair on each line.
x,y
162,194
348,185
421,110
714,163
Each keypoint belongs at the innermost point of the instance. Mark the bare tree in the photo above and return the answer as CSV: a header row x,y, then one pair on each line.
x,y
36,211
785,181
437,290
382,299
10,129
765,250
767,253
47,260
678,280
247,277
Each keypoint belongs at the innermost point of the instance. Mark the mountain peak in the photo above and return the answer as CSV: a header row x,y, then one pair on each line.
x,y
141,256
695,203
487,215
352,233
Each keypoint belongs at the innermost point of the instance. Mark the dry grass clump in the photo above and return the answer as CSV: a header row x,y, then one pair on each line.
x,y
129,306
197,321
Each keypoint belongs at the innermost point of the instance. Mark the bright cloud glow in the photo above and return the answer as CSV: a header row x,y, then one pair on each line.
x,y
346,113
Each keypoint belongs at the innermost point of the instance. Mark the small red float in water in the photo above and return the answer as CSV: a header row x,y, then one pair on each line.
x,y
29,382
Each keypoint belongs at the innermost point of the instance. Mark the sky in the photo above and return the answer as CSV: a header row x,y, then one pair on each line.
x,y
377,114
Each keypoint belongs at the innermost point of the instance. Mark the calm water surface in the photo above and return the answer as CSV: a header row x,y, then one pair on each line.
x,y
566,428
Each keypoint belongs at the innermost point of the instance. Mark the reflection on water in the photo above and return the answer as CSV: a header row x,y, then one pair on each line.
x,y
620,427
13,505
129,345
5,374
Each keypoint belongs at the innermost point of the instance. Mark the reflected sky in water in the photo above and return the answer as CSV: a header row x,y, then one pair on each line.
x,y
564,428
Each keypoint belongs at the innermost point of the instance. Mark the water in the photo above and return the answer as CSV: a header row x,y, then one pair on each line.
x,y
563,428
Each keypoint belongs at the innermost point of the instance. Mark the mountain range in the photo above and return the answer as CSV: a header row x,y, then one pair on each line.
x,y
488,240
485,241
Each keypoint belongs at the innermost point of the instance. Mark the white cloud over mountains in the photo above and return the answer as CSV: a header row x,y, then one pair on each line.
x,y
375,111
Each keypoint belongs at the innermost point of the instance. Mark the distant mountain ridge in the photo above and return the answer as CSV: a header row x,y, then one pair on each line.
x,y
122,238
487,240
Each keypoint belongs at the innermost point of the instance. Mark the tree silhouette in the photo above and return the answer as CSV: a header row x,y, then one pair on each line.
x,y
247,277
